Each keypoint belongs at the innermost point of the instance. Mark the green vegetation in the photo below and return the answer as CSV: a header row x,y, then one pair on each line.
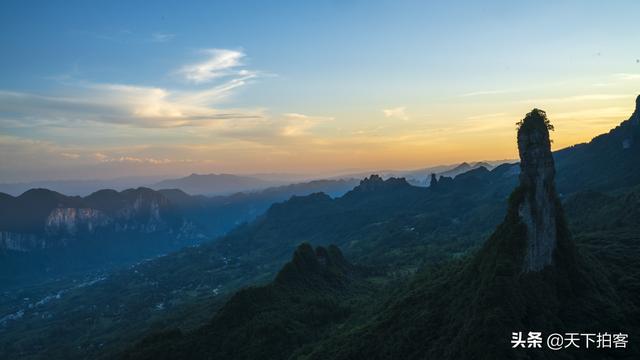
x,y
424,283
463,308
537,113
311,294
390,226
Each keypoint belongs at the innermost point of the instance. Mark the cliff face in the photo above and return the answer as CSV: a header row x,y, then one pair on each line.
x,y
107,214
538,208
69,221
21,242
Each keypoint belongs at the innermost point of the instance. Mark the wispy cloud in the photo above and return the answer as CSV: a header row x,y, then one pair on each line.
x,y
296,124
486,92
120,104
219,63
488,116
577,98
609,115
627,76
397,113
160,37
131,124
137,105
137,160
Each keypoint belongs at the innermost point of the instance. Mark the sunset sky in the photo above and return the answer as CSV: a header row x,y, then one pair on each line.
x,y
104,89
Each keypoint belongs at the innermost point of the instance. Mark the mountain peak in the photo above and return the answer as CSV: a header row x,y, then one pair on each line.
x,y
434,180
482,163
315,267
464,165
375,182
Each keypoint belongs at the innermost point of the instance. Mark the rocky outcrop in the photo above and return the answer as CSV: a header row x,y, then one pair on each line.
x,y
316,268
56,221
143,215
375,183
434,181
538,208
70,221
21,242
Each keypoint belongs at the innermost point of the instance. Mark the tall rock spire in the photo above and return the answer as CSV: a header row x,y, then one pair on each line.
x,y
434,180
538,207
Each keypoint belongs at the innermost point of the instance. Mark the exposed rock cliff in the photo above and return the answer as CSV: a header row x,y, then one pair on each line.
x,y
69,221
42,219
21,242
538,208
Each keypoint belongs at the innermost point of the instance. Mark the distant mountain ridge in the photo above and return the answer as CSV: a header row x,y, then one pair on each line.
x,y
608,161
41,219
420,177
219,214
42,232
463,168
77,187
227,184
214,184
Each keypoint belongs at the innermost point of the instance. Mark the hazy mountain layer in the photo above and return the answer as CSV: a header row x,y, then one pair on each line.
x,y
44,234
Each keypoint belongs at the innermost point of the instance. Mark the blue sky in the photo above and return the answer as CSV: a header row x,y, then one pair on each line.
x,y
92,89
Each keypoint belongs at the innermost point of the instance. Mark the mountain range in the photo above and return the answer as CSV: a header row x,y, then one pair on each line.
x,y
529,274
44,233
445,271
77,187
214,184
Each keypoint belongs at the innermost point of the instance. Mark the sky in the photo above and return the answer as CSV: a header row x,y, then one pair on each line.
x,y
106,89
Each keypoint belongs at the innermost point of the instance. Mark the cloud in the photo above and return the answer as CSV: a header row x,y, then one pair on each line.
x,y
577,98
610,115
80,102
486,92
96,129
161,37
626,76
19,153
296,124
220,63
70,155
220,92
122,104
137,160
488,116
398,113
